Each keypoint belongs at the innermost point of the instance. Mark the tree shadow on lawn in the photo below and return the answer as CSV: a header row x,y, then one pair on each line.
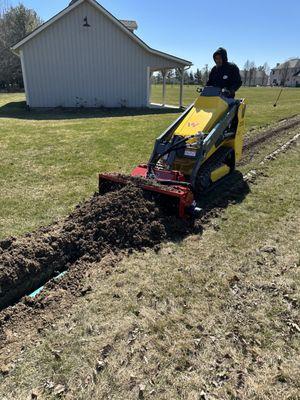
x,y
20,110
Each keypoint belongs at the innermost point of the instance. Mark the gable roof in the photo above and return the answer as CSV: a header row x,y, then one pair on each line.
x,y
293,63
117,22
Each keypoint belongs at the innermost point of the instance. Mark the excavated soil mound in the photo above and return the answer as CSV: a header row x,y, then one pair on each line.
x,y
120,220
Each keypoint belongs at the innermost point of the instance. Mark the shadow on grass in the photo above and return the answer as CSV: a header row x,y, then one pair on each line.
x,y
231,190
19,110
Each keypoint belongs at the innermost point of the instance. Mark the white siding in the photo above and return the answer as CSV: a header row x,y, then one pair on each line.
x,y
70,65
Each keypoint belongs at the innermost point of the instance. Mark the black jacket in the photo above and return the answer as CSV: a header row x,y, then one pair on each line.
x,y
227,76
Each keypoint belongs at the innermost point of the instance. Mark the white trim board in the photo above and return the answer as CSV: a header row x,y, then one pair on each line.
x,y
24,77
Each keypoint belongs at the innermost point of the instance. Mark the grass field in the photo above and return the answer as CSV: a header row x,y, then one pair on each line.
x,y
49,162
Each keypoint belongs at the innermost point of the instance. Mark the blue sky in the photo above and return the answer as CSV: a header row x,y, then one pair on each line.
x,y
259,30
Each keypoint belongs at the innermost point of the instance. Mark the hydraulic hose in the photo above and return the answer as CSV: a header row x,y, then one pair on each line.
x,y
173,148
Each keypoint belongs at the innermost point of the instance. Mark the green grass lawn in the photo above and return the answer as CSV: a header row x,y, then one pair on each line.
x,y
49,161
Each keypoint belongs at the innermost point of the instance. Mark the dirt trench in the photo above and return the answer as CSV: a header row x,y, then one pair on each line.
x,y
251,143
123,219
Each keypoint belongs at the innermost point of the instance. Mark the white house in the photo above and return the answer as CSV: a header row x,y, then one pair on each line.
x,y
85,57
286,74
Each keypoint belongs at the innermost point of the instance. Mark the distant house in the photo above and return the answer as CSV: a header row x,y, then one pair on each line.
x,y
286,74
85,57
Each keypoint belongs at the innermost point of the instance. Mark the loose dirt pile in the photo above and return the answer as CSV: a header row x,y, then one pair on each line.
x,y
120,220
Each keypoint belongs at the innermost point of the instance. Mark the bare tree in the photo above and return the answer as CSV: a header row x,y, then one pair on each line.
x,y
246,72
191,78
4,6
198,77
170,76
266,70
158,77
252,73
15,23
284,73
178,75
205,74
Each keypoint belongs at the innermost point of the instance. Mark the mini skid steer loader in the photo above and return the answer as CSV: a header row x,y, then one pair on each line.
x,y
198,150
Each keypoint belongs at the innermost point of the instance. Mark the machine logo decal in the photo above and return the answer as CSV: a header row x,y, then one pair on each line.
x,y
193,124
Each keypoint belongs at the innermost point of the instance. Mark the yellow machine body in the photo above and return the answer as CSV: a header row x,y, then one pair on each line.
x,y
203,117
207,111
